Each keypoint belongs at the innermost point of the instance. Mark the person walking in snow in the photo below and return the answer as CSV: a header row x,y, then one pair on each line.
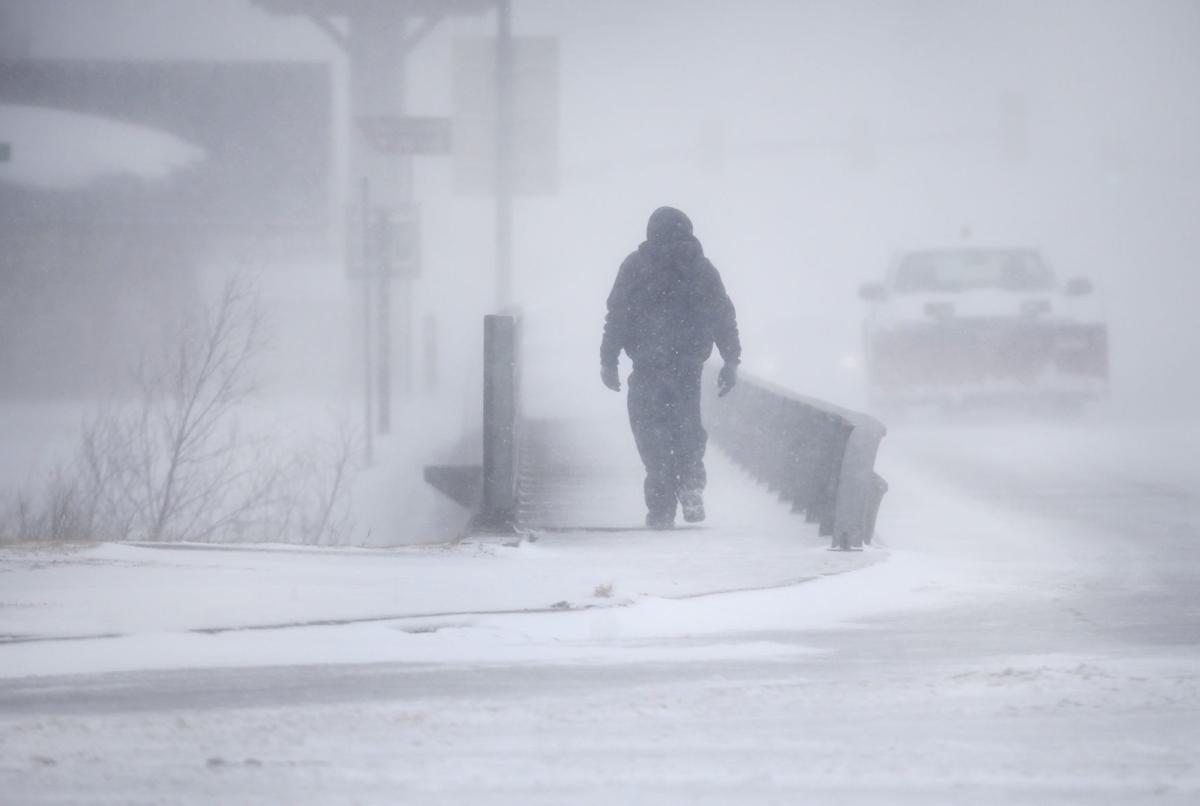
x,y
667,309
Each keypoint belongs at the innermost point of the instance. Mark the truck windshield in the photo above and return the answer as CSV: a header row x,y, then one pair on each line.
x,y
951,271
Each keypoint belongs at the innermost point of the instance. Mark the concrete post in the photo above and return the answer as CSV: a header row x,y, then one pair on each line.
x,y
498,509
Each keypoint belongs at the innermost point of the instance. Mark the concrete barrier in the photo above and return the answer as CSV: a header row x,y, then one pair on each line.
x,y
501,423
817,456
491,489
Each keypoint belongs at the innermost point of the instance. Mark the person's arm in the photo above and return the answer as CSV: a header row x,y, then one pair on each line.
x,y
615,324
725,329
725,334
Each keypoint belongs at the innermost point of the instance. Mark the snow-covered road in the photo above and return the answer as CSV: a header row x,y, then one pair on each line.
x,y
1031,636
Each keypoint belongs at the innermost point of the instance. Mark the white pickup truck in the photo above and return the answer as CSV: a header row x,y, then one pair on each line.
x,y
959,327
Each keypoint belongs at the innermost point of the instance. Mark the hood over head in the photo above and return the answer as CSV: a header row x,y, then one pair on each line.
x,y
668,224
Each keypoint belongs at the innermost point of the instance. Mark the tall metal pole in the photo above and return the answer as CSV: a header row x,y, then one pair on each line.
x,y
384,324
376,38
367,268
389,32
407,322
405,340
504,154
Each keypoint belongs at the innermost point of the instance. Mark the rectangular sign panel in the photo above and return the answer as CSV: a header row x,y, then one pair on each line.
x,y
389,244
394,134
534,115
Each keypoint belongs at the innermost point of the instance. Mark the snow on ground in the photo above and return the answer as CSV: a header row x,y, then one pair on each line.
x,y
158,598
1026,633
1059,729
389,501
626,627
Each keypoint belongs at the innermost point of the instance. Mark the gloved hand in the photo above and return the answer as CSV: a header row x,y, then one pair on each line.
x,y
726,379
608,374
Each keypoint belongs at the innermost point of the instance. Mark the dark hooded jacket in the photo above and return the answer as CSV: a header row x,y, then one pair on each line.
x,y
668,306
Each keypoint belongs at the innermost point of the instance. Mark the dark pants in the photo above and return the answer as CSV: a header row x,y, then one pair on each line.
x,y
664,411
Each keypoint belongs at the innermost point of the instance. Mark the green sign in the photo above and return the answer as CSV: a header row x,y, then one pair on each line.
x,y
394,134
5,152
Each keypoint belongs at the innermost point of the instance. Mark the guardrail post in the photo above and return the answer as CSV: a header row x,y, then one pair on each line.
x,y
858,490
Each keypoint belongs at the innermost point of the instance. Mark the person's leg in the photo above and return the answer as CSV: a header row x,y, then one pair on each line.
x,y
650,417
689,441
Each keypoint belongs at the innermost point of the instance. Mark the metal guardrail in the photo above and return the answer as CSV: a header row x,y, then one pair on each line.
x,y
817,456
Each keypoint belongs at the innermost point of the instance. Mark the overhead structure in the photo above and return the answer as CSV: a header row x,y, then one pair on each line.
x,y
377,36
345,8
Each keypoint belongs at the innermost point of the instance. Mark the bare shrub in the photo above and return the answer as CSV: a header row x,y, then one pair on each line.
x,y
60,514
313,504
174,464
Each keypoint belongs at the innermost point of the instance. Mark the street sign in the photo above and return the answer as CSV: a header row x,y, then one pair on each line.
x,y
396,134
534,115
393,247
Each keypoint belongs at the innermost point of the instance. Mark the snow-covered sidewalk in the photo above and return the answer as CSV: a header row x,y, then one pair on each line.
x,y
136,606
993,658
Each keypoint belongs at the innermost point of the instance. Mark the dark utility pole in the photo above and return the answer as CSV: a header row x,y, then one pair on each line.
x,y
366,258
377,34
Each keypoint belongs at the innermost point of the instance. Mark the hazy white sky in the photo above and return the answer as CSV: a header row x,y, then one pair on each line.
x,y
809,141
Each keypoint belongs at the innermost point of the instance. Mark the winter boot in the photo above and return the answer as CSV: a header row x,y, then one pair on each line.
x,y
660,520
692,503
